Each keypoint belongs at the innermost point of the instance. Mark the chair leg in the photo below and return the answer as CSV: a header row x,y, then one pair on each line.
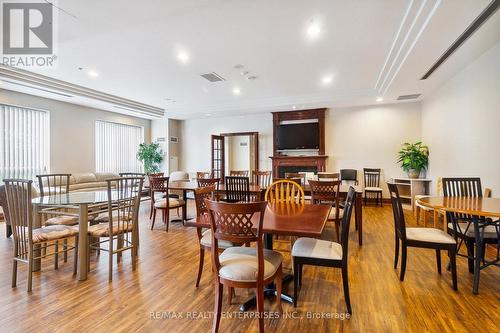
x,y
110,260
219,288
30,270
403,262
14,273
260,306
279,288
470,254
453,261
295,282
154,218
477,268
396,252
151,209
200,266
75,259
345,282
438,260
167,217
300,274
65,253
230,295
56,255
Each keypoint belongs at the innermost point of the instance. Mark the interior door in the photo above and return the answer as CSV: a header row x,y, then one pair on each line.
x,y
218,156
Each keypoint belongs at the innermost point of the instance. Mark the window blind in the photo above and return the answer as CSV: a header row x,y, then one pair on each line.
x,y
24,142
116,147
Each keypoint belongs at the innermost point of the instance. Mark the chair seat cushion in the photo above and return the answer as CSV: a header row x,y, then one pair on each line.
x,y
172,203
489,231
206,240
373,189
316,248
62,220
240,264
331,216
430,235
102,229
104,218
53,232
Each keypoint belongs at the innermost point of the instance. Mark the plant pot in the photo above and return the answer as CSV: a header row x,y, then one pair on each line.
x,y
413,174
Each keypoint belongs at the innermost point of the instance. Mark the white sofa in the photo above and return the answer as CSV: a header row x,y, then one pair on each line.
x,y
82,182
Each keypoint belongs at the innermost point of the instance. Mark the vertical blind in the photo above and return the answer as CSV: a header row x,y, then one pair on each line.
x,y
116,147
24,142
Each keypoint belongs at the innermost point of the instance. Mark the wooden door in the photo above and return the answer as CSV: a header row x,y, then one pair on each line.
x,y
218,156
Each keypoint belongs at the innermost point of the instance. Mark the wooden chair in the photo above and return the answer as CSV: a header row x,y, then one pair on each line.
x,y
238,173
328,175
237,189
121,230
203,174
165,204
463,226
285,191
317,252
297,177
151,195
204,182
428,238
27,239
328,191
261,178
205,237
349,176
242,267
372,185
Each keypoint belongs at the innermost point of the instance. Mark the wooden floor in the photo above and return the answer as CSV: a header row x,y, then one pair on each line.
x,y
164,286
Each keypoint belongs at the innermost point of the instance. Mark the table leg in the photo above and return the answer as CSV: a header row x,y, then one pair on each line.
x,y
37,263
184,207
358,215
82,242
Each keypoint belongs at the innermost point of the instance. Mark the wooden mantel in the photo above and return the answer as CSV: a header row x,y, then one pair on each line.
x,y
318,161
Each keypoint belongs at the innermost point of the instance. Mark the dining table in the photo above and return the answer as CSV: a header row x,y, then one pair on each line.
x,y
288,219
480,213
78,204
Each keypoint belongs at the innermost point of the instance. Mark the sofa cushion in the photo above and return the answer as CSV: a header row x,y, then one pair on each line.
x,y
84,177
88,186
103,176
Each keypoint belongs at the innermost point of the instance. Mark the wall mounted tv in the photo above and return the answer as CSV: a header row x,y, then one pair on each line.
x,y
298,136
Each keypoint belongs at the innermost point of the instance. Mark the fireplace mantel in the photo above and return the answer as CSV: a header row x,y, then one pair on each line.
x,y
318,161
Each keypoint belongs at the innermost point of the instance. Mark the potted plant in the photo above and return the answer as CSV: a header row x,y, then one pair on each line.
x,y
414,158
151,156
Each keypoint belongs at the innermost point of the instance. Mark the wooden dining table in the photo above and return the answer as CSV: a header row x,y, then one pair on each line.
x,y
473,207
301,220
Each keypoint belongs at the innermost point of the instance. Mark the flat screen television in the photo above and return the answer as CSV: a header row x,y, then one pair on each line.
x,y
298,136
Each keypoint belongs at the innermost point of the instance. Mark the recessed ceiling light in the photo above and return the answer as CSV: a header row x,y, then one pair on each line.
x,y
183,57
294,107
208,114
327,79
236,91
252,77
238,66
245,73
314,29
379,99
92,73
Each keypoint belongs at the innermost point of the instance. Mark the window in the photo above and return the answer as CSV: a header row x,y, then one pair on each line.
x,y
24,142
116,147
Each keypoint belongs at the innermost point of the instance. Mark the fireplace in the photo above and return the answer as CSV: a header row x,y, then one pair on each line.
x,y
282,164
282,170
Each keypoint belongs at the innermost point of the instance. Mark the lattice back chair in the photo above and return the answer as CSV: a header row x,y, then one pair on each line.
x,y
29,239
165,204
203,174
428,238
285,191
328,175
349,176
121,230
237,189
372,185
328,192
331,254
238,173
204,182
233,223
261,178
151,195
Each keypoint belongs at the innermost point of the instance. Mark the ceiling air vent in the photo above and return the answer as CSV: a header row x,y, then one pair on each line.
x,y
213,77
407,97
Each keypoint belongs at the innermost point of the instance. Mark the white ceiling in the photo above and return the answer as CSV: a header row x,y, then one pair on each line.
x,y
133,46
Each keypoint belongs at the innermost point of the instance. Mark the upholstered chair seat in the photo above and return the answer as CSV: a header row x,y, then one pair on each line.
x,y
172,203
373,189
489,231
102,229
431,235
66,220
316,248
104,218
331,216
206,240
240,264
53,232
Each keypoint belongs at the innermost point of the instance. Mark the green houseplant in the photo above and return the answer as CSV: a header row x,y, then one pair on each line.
x,y
413,158
151,156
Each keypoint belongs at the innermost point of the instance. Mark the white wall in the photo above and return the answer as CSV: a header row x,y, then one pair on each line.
x,y
461,123
355,137
72,130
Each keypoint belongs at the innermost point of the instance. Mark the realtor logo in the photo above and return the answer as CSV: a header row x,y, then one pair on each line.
x,y
27,28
